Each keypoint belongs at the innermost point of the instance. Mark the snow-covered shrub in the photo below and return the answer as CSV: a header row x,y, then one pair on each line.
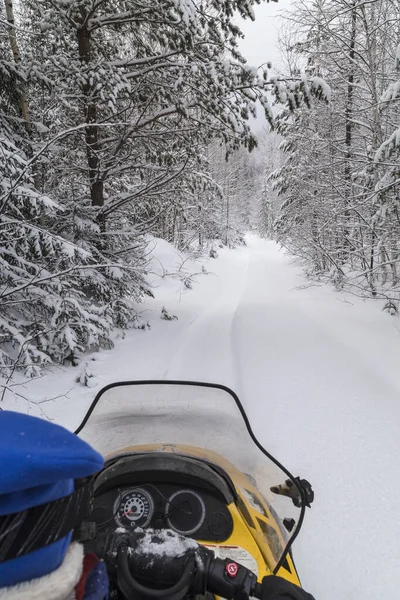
x,y
166,316
391,307
86,377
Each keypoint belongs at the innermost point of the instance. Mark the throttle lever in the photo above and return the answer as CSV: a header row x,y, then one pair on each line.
x,y
228,579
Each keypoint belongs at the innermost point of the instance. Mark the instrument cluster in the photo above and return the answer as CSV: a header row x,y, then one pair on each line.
x,y
188,511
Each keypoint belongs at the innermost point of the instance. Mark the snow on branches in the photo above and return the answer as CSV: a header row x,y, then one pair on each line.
x,y
110,112
340,179
56,300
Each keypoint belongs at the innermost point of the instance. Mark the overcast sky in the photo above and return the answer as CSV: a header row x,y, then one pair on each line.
x,y
261,36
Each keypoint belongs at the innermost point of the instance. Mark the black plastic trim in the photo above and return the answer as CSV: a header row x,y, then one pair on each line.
x,y
248,427
217,470
159,467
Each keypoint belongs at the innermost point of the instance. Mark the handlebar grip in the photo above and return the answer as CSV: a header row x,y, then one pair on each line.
x,y
228,579
131,588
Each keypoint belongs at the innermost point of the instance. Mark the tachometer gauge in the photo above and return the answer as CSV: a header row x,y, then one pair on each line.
x,y
185,512
134,508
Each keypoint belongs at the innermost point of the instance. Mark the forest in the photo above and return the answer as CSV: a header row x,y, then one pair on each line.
x,y
121,120
339,175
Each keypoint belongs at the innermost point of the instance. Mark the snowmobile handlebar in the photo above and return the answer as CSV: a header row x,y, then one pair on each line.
x,y
193,573
147,570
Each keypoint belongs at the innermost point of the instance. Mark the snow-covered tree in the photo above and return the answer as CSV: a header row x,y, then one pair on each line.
x,y
108,111
58,298
338,211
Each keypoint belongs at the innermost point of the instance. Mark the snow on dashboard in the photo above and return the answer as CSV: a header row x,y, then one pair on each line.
x,y
164,542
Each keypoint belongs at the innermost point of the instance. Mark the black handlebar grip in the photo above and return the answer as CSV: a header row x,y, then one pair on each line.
x,y
131,588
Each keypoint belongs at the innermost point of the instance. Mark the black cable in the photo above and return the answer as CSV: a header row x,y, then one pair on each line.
x,y
167,501
113,516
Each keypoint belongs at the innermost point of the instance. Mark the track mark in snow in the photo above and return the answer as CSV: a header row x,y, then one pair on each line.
x,y
205,351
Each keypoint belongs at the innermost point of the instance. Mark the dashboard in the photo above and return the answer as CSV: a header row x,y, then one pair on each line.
x,y
187,510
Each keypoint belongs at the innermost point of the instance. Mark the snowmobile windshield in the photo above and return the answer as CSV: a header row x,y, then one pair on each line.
x,y
204,420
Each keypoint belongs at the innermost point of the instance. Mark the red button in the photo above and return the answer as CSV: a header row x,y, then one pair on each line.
x,y
232,569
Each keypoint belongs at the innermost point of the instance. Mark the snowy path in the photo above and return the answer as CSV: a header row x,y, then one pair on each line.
x,y
319,376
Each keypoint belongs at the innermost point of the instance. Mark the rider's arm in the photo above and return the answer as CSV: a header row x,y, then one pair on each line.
x,y
44,495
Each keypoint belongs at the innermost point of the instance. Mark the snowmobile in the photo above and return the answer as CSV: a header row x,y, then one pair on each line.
x,y
189,503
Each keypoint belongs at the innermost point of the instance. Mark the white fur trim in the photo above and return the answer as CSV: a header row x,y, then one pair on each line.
x,y
57,585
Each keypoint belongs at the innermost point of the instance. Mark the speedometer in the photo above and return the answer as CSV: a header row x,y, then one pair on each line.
x,y
134,508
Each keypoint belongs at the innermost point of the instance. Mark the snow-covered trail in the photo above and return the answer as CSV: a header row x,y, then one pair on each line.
x,y
319,376
322,390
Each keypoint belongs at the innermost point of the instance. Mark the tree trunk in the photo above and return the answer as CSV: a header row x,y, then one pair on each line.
x,y
349,99
349,125
12,36
377,136
91,131
200,223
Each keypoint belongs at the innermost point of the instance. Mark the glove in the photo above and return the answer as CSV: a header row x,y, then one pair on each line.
x,y
277,588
